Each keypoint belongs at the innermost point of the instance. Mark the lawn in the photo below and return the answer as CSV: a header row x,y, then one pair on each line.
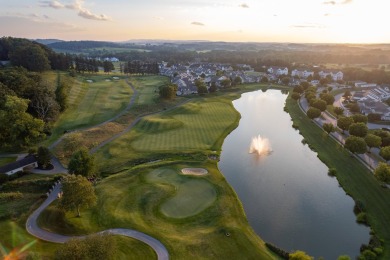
x,y
355,178
6,160
135,199
148,87
193,194
94,102
198,126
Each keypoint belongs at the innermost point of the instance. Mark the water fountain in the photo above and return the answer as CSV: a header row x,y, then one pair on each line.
x,y
260,146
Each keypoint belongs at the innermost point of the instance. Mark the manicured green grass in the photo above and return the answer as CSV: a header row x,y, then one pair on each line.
x,y
200,125
133,199
93,103
193,194
355,179
6,160
148,87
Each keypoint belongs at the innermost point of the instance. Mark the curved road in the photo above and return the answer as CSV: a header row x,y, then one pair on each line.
x,y
33,228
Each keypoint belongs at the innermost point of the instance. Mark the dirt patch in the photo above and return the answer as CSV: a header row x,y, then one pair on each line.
x,y
194,171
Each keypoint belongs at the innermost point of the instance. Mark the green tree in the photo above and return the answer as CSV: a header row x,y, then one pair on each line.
x,y
328,127
313,112
101,246
372,141
347,95
338,111
168,91
372,117
305,85
213,87
17,127
264,80
320,104
328,98
82,163
358,129
295,95
201,86
226,83
31,57
298,89
237,81
359,118
382,172
285,80
299,255
44,156
354,108
344,122
385,153
343,257
355,144
77,193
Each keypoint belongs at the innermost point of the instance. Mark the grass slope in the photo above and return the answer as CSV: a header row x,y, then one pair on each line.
x,y
355,179
93,103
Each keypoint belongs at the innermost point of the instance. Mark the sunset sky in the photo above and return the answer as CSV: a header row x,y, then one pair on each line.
x,y
338,21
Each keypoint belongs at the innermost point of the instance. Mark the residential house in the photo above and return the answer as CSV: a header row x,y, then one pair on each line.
x,y
278,71
302,73
29,162
335,75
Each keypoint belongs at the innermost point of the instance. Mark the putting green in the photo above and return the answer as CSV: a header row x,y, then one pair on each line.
x,y
192,196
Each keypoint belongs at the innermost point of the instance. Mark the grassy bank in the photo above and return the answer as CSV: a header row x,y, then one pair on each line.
x,y
355,179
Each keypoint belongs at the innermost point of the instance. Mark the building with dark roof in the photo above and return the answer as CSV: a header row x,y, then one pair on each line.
x,y
26,163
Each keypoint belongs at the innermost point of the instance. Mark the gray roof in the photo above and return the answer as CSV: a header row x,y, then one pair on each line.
x,y
18,164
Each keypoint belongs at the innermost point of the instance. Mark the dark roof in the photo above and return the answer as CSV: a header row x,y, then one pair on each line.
x,y
18,164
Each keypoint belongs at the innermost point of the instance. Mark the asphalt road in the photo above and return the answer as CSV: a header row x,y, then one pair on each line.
x,y
33,228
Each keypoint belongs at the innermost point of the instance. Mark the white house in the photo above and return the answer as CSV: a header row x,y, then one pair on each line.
x,y
302,73
336,75
278,71
21,165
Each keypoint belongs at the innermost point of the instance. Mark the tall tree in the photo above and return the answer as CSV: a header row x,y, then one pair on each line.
x,y
82,163
313,112
18,128
77,193
31,57
359,118
44,156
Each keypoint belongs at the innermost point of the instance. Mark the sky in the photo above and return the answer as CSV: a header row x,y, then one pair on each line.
x,y
300,21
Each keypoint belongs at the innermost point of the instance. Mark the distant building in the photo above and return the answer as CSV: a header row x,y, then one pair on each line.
x,y
335,75
302,73
278,71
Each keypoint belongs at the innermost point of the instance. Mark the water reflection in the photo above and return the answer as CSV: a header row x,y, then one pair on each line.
x,y
288,197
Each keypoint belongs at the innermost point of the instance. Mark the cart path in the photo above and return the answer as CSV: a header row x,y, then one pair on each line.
x,y
33,228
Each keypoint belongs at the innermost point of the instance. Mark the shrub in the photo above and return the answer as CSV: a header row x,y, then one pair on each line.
x,y
361,218
3,178
332,172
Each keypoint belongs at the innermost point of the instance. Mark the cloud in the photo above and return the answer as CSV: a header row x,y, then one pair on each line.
x,y
198,23
244,5
308,25
329,2
77,6
160,18
88,15
345,2
53,4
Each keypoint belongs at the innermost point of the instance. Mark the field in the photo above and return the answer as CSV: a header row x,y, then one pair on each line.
x,y
148,88
93,102
356,180
200,125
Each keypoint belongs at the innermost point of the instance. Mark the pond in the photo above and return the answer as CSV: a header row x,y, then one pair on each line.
x,y
288,197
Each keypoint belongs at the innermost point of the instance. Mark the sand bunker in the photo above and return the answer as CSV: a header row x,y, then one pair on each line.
x,y
89,81
194,171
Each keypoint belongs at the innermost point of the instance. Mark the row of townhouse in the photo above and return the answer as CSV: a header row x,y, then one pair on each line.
x,y
303,73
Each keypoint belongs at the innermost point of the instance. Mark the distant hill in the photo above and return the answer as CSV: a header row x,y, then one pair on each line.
x,y
47,41
80,46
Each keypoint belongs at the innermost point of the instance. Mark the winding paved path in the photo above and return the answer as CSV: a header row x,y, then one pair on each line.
x,y
33,228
